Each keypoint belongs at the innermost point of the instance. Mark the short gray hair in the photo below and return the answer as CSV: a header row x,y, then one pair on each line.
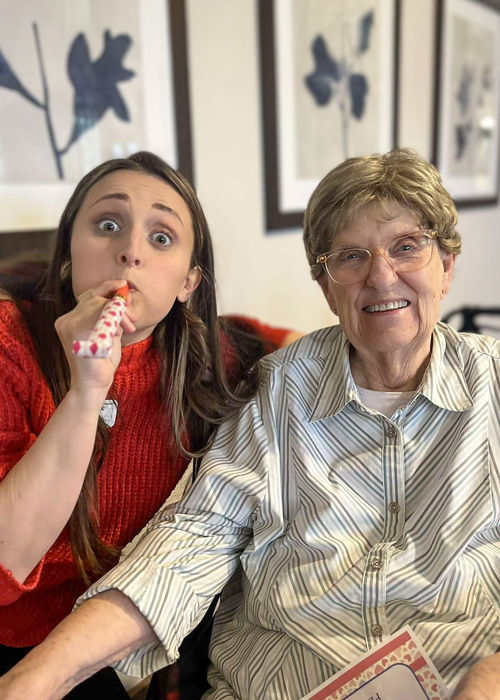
x,y
400,176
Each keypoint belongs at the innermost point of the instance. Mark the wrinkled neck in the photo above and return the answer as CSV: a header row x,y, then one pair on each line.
x,y
398,370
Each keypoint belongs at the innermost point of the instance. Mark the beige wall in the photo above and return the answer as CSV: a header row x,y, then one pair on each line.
x,y
267,275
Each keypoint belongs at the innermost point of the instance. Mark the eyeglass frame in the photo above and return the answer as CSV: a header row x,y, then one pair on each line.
x,y
322,259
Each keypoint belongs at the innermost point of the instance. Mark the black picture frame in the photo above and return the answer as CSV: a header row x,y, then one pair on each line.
x,y
279,217
457,117
30,204
180,61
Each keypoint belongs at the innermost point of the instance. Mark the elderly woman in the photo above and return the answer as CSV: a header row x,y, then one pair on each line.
x,y
357,493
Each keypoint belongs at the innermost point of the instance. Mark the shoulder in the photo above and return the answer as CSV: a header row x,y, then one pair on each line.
x,y
11,318
306,355
471,344
12,325
293,377
313,345
16,346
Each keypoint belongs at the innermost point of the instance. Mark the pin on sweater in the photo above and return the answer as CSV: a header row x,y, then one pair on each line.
x,y
100,342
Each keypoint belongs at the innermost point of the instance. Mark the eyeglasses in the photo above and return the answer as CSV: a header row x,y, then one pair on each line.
x,y
407,253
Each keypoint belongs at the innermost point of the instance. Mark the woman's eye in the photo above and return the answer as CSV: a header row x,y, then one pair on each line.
x,y
108,225
348,255
162,239
406,246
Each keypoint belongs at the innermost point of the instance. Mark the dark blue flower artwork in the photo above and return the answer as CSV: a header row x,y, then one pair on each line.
x,y
462,134
322,82
358,87
365,28
335,78
9,80
464,93
463,97
95,85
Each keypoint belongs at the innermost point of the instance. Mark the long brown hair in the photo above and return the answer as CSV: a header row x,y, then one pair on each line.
x,y
194,389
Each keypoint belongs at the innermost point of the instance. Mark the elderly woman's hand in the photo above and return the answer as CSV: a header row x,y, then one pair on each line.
x,y
482,682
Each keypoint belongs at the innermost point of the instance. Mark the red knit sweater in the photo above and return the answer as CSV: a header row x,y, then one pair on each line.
x,y
136,478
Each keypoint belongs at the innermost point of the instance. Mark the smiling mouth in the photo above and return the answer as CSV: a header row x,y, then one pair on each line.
x,y
390,306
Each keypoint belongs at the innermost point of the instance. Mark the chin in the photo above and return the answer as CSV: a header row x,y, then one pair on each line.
x,y
390,340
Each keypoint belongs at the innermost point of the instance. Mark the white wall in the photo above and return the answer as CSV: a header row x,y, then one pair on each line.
x,y
267,276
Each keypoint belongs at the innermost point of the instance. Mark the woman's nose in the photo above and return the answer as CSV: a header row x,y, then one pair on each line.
x,y
130,252
381,275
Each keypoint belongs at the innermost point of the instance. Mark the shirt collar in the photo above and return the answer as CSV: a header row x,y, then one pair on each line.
x,y
444,382
336,386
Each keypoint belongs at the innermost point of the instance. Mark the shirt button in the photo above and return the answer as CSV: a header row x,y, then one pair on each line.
x,y
377,630
391,432
376,564
394,507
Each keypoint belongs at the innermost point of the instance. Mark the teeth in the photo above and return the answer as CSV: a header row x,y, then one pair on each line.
x,y
387,307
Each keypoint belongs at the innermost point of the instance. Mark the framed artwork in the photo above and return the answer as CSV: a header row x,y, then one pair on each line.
x,y
80,83
467,100
329,73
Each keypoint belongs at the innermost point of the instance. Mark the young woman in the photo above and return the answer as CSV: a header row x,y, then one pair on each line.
x,y
91,448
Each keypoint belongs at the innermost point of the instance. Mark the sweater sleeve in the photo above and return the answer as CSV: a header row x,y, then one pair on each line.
x,y
17,389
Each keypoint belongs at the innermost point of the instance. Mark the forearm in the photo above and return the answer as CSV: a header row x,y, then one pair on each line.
x,y
39,493
482,682
103,630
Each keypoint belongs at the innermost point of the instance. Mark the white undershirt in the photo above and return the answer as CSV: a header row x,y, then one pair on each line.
x,y
386,402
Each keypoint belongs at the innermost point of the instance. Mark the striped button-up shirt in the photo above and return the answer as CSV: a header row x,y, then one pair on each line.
x,y
334,525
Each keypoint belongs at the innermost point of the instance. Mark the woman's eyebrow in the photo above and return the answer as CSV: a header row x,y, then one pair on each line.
x,y
113,195
124,197
169,210
345,246
391,237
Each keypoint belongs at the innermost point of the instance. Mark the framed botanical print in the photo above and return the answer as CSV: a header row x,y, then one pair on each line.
x,y
329,73
467,102
82,82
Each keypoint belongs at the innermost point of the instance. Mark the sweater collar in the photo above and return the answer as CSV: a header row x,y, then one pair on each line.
x,y
134,355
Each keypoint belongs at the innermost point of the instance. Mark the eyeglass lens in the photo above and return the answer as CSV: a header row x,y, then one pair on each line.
x,y
408,253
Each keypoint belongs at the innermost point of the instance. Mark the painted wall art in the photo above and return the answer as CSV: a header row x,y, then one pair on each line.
x,y
468,100
81,83
329,78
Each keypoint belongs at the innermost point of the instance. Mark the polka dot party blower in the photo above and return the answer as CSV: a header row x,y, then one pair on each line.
x,y
100,342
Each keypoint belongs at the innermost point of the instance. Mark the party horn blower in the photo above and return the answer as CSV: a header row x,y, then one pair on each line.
x,y
100,342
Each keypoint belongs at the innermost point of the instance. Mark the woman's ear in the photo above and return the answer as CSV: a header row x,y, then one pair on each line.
x,y
448,267
192,280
